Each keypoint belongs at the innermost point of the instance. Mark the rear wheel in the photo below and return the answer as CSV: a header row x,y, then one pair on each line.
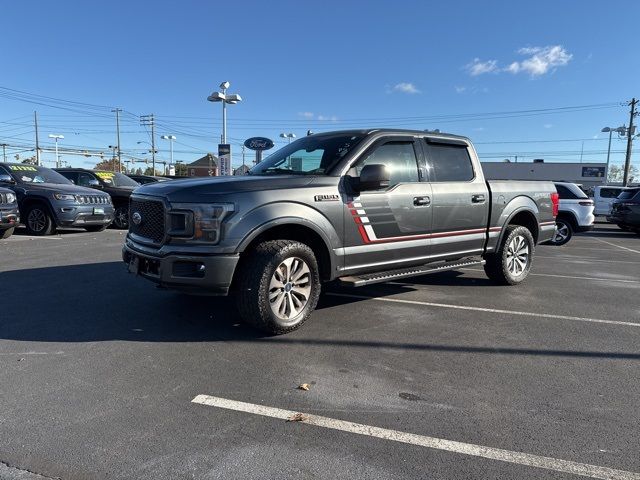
x,y
6,233
278,286
510,265
39,221
564,232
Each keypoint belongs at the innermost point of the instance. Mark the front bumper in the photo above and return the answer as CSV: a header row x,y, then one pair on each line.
x,y
80,216
9,218
196,274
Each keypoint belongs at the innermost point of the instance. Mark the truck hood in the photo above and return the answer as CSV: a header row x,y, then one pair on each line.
x,y
200,189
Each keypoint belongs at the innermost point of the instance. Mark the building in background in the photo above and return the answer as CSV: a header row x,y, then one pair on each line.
x,y
586,174
206,166
241,170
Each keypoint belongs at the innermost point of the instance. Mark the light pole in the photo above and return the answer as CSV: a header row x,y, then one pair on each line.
x,y
171,138
224,98
56,138
288,136
610,130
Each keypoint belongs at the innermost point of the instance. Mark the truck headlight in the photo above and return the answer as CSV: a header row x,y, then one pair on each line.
x,y
11,197
206,219
64,196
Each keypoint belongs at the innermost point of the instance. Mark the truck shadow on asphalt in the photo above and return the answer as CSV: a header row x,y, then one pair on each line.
x,y
101,302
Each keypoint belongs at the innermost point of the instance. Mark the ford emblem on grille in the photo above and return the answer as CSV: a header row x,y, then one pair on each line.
x,y
136,218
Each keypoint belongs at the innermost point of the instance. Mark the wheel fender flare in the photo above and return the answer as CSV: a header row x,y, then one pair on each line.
x,y
515,207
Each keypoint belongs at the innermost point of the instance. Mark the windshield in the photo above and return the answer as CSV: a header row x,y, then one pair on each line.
x,y
312,155
33,174
115,179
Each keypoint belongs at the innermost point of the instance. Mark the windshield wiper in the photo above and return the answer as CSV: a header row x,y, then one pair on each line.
x,y
281,170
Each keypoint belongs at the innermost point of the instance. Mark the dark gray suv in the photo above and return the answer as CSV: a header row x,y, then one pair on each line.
x,y
48,201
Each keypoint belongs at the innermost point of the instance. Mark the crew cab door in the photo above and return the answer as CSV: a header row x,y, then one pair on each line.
x,y
388,228
459,199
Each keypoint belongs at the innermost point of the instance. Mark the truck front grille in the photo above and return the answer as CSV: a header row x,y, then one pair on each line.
x,y
146,219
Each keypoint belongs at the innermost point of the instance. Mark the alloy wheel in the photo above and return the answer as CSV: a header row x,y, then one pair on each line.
x,y
562,232
290,288
517,255
37,220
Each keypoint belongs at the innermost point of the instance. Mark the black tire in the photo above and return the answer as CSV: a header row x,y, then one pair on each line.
x,y
38,220
256,297
6,233
564,232
121,218
95,228
499,267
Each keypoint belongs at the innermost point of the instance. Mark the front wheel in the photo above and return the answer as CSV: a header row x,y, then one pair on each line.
x,y
39,221
510,265
121,218
278,286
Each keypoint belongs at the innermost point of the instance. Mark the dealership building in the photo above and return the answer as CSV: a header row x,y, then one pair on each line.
x,y
586,174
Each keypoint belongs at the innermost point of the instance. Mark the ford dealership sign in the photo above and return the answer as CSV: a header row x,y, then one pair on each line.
x,y
258,143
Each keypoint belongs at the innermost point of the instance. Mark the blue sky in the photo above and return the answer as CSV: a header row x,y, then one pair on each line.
x,y
324,66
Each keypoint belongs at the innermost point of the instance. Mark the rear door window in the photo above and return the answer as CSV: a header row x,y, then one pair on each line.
x,y
628,194
609,192
449,163
567,193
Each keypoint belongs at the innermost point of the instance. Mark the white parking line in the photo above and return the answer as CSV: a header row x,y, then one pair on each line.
x,y
489,310
619,246
583,259
518,458
599,279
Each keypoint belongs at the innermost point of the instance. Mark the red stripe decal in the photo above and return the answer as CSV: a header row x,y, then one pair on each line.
x,y
363,234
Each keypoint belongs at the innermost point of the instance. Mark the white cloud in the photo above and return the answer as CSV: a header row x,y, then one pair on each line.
x,y
331,118
406,87
478,67
460,89
541,60
307,115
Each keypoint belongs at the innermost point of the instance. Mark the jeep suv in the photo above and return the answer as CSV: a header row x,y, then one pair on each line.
x,y
117,185
47,200
9,216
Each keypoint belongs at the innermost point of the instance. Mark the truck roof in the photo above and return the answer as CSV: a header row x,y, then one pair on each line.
x,y
370,131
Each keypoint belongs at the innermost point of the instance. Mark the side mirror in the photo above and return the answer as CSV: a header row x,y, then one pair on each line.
x,y
373,177
94,183
4,178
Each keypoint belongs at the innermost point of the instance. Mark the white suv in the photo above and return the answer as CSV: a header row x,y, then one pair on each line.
x,y
575,212
603,196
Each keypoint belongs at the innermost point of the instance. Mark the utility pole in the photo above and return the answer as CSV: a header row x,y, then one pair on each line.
x,y
117,112
149,121
630,132
35,121
4,151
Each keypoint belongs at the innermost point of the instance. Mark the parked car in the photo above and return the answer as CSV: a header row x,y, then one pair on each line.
x,y
625,211
47,200
575,212
358,206
144,179
116,184
9,213
604,196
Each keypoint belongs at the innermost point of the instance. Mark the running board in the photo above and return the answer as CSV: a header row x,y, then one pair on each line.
x,y
380,277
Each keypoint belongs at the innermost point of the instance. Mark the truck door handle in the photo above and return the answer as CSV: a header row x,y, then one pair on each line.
x,y
477,198
421,201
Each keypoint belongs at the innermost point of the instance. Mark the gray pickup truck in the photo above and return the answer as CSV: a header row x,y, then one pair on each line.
x,y
357,207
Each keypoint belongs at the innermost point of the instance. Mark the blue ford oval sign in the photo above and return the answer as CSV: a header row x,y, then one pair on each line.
x,y
258,143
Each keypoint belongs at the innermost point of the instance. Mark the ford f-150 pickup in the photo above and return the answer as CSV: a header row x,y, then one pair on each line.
x,y
357,207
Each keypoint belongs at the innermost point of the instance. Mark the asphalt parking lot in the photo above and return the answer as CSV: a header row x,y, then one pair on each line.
x,y
461,378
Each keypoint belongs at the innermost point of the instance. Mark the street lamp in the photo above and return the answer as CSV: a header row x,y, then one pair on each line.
x,y
56,138
288,135
224,98
621,131
171,138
